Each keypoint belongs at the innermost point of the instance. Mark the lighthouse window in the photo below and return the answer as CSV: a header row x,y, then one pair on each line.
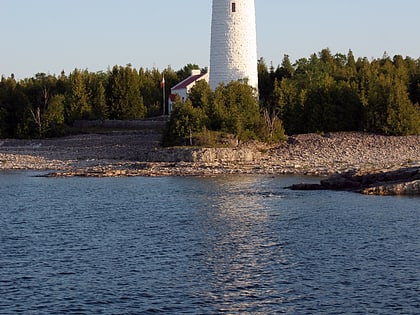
x,y
233,7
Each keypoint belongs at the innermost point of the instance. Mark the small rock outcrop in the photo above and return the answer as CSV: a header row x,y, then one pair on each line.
x,y
404,181
204,155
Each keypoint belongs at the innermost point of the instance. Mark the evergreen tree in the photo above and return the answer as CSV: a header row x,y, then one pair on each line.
x,y
286,70
97,95
125,100
324,92
14,109
265,84
78,106
185,72
150,90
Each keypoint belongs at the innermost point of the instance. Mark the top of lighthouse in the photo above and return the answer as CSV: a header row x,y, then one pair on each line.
x,y
233,51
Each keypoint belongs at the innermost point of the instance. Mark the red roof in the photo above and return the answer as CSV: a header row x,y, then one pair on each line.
x,y
184,84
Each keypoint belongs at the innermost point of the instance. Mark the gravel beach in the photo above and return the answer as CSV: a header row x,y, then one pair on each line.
x,y
128,154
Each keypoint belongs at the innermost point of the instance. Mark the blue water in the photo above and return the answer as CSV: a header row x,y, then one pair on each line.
x,y
224,245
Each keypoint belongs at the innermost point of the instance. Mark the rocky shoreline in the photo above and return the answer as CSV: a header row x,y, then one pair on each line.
x,y
403,181
138,153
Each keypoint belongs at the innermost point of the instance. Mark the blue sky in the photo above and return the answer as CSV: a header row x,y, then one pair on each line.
x,y
54,35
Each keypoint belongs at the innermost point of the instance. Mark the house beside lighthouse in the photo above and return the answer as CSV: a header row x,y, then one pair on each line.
x,y
182,89
233,47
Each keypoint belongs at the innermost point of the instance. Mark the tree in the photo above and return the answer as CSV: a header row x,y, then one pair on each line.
x,y
150,90
242,114
389,109
274,130
185,72
185,120
201,95
14,109
265,84
54,115
286,70
288,103
78,106
39,90
125,100
325,92
97,95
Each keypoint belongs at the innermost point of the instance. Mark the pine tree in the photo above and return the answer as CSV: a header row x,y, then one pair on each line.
x,y
78,106
124,97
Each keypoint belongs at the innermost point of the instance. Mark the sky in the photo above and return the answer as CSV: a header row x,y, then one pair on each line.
x,y
54,35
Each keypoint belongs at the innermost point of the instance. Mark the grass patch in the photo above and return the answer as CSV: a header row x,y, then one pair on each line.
x,y
214,139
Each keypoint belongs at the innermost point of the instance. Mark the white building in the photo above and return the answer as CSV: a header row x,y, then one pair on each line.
x,y
183,88
233,51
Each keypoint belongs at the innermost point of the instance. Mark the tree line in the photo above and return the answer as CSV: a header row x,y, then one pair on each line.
x,y
322,93
326,93
45,105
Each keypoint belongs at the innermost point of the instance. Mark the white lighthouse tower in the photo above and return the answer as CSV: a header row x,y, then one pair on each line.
x,y
233,51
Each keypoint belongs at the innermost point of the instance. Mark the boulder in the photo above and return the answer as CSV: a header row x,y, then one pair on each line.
x,y
406,188
404,181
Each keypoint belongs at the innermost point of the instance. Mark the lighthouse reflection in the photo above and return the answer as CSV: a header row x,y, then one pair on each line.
x,y
242,251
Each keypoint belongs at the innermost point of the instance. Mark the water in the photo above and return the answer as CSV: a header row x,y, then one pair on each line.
x,y
225,245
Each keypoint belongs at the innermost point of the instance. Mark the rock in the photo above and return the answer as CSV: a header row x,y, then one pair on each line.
x,y
404,181
204,155
307,154
304,186
406,188
340,182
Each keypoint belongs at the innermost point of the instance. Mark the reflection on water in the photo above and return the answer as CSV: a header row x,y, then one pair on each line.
x,y
243,255
226,245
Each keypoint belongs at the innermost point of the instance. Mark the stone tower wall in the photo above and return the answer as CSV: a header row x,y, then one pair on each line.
x,y
233,54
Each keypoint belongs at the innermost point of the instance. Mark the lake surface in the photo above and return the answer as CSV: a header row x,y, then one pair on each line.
x,y
223,245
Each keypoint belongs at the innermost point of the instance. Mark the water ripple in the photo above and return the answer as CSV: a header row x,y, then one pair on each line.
x,y
228,245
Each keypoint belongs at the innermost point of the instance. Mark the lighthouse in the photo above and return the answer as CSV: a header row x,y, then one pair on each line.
x,y
233,49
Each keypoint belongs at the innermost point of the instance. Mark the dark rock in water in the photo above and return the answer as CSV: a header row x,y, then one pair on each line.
x,y
304,186
404,181
345,181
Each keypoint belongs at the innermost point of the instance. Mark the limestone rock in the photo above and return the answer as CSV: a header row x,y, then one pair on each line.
x,y
405,188
404,181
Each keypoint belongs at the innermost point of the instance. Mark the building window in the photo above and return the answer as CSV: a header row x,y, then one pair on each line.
x,y
233,7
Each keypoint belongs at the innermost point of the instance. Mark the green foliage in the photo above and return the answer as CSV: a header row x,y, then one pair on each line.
x,y
337,93
242,114
201,95
207,116
185,121
186,71
125,100
150,90
14,109
43,105
272,130
323,93
54,116
78,98
95,85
